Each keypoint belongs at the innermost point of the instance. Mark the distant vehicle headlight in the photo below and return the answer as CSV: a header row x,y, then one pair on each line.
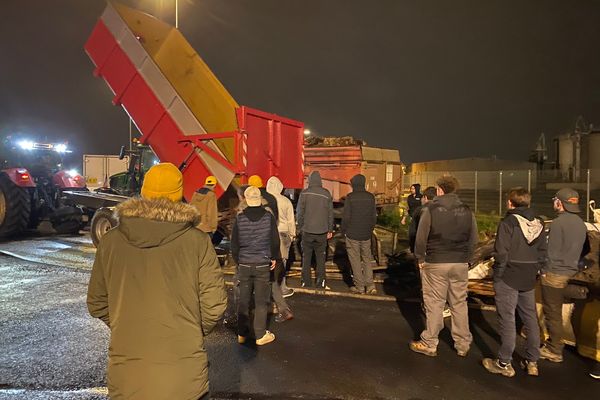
x,y
60,148
72,173
26,144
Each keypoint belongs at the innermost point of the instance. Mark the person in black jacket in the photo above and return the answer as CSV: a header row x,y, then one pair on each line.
x,y
519,255
413,201
255,250
428,194
314,214
446,238
358,221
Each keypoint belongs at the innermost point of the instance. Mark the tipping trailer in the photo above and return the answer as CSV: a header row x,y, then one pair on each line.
x,y
339,159
184,113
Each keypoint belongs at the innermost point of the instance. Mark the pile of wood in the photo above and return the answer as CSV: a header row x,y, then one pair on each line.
x,y
333,141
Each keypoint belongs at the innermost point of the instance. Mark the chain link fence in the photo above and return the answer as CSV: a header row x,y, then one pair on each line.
x,y
485,191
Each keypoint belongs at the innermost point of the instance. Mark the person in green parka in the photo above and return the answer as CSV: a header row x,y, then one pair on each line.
x,y
157,284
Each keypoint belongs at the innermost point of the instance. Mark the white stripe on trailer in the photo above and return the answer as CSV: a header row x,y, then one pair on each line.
x,y
164,91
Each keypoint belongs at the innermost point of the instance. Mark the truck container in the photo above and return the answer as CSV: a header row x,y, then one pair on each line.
x,y
339,159
98,168
185,115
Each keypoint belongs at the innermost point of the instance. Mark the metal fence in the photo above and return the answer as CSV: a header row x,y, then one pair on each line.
x,y
485,191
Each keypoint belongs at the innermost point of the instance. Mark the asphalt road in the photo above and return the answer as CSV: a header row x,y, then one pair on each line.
x,y
336,348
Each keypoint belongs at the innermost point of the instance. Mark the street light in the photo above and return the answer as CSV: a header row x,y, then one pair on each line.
x,y
306,132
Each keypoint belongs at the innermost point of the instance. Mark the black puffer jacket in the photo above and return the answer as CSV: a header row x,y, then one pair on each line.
x,y
360,214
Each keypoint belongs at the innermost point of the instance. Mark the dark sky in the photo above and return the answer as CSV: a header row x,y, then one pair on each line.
x,y
435,79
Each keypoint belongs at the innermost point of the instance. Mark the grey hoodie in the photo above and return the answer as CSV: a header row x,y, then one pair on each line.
x,y
315,207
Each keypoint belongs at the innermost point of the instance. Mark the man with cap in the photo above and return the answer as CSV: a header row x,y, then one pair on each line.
x,y
255,250
565,244
257,182
205,202
157,284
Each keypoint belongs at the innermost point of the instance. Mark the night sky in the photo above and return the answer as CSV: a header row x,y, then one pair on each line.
x,y
435,79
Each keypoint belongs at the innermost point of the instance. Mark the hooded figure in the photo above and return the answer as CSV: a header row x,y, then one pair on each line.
x,y
287,221
315,222
360,213
360,216
287,232
520,249
157,284
414,199
315,207
519,255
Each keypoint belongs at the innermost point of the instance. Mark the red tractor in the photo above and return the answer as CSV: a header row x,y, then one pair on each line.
x,y
32,182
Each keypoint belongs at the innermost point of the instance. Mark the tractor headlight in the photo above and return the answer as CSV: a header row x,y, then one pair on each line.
x,y
26,144
72,173
60,148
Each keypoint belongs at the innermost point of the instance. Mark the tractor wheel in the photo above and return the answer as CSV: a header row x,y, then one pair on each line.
x,y
15,207
103,221
67,220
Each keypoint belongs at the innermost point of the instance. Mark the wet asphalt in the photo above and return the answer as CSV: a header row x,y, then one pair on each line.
x,y
335,348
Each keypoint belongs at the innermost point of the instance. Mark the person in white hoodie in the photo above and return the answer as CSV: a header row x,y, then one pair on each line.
x,y
287,233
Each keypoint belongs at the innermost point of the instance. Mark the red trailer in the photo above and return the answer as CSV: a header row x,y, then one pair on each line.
x,y
183,112
337,164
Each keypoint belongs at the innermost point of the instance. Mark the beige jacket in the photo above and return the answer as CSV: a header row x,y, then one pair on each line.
x,y
205,202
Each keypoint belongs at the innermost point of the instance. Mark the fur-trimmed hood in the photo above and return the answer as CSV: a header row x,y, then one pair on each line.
x,y
152,223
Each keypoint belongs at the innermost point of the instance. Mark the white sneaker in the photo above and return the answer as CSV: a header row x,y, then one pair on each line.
x,y
266,339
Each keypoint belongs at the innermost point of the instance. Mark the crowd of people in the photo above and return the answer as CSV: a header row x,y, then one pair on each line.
x,y
157,284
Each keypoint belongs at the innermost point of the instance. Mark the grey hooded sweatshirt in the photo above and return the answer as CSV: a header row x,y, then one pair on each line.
x,y
315,207
520,249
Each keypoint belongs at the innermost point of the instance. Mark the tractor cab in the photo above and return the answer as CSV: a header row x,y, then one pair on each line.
x,y
129,183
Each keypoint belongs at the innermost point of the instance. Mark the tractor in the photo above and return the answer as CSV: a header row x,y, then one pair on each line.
x,y
32,183
120,187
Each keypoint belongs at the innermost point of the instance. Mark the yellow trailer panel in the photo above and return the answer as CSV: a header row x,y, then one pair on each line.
x,y
189,75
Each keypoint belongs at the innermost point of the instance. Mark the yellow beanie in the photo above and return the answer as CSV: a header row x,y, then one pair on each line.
x,y
163,180
255,181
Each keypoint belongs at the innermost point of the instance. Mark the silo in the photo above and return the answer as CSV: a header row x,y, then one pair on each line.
x,y
565,155
594,151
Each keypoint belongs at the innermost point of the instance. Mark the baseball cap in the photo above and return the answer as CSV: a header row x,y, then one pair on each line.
x,y
569,199
253,197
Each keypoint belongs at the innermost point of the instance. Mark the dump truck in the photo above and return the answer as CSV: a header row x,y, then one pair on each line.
x,y
185,115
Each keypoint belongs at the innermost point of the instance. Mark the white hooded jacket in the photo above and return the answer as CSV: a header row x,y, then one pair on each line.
x,y
287,221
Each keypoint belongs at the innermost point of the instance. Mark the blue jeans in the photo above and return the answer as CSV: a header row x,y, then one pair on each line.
x,y
508,301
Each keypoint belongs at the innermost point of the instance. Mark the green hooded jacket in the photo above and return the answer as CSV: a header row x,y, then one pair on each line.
x,y
157,284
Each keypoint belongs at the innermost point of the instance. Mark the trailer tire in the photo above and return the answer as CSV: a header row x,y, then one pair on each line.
x,y
104,220
15,207
67,220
